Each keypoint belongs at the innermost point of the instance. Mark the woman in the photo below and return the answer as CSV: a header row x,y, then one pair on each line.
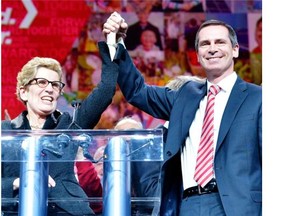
x,y
39,87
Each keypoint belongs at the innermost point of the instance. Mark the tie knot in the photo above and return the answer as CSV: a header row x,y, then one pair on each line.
x,y
214,89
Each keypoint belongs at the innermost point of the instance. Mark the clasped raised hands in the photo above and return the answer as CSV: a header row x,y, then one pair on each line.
x,y
115,24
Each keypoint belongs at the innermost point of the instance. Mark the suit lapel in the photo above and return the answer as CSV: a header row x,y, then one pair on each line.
x,y
237,97
191,105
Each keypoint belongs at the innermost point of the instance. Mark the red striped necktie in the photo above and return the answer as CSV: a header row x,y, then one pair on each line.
x,y
204,164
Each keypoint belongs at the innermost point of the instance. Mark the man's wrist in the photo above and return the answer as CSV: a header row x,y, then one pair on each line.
x,y
113,45
121,41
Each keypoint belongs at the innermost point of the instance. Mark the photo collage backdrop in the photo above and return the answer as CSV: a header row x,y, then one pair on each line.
x,y
160,39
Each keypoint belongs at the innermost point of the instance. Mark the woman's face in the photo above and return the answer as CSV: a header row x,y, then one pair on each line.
x,y
41,101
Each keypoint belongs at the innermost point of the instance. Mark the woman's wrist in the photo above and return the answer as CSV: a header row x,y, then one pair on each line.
x,y
16,184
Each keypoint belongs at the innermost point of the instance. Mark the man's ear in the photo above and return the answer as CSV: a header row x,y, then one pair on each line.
x,y
236,51
23,93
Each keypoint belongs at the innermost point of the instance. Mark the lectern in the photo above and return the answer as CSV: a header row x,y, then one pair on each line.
x,y
131,165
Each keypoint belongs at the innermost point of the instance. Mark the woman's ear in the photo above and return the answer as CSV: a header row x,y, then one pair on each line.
x,y
23,93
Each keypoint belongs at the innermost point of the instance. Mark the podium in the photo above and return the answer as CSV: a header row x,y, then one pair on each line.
x,y
131,161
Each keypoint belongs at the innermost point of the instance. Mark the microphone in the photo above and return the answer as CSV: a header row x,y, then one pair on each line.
x,y
85,141
75,104
47,146
62,142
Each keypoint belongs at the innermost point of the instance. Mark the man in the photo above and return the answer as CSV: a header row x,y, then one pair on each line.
x,y
236,169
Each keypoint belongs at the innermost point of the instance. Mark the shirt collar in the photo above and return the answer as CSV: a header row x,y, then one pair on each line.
x,y
225,84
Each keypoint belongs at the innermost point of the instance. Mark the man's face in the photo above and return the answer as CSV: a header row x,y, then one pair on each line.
x,y
215,52
143,17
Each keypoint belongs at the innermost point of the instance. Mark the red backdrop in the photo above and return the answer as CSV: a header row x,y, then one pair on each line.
x,y
35,28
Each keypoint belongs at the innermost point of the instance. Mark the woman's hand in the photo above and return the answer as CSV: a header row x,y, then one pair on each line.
x,y
16,183
115,23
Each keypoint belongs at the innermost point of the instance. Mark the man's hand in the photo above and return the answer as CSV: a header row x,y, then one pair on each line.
x,y
115,24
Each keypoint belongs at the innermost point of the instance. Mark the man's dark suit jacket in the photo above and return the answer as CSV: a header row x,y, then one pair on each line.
x,y
238,157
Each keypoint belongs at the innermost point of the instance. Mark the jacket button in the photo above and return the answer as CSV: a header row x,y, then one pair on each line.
x,y
168,153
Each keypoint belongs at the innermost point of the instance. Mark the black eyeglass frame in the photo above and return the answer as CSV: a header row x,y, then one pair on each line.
x,y
59,85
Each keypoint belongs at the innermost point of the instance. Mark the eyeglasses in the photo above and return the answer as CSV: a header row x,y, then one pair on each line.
x,y
42,83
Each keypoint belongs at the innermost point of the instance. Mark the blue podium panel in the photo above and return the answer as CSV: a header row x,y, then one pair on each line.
x,y
128,164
